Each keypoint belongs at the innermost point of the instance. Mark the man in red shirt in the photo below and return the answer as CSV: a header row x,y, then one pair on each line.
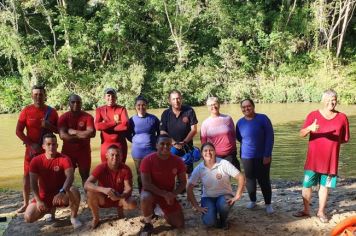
x,y
115,185
38,119
327,129
51,176
112,120
76,127
158,172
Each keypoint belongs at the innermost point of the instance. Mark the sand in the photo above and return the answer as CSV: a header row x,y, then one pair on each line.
x,y
286,200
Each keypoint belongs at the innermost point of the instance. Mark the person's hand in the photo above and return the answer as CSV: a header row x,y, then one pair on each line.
x,y
314,126
179,146
72,132
41,206
116,119
200,209
35,148
231,201
169,197
59,199
110,193
266,160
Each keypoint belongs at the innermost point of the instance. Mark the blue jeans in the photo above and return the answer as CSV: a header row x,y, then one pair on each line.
x,y
215,205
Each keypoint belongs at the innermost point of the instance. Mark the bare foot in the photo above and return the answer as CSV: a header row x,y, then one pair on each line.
x,y
94,223
22,209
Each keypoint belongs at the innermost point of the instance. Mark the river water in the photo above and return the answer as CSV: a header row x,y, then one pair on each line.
x,y
288,153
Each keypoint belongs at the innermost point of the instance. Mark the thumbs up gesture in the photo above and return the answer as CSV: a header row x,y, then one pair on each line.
x,y
314,126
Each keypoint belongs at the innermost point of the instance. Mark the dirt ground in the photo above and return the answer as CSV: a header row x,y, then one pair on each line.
x,y
286,200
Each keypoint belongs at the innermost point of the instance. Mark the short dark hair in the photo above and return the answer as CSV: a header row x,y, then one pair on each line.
x,y
175,91
113,146
248,99
207,144
48,135
162,136
140,98
38,86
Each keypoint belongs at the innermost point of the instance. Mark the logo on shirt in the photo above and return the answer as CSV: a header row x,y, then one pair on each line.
x,y
56,168
174,171
81,124
185,119
218,176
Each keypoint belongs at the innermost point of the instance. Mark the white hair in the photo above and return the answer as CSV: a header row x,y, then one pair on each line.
x,y
329,93
212,100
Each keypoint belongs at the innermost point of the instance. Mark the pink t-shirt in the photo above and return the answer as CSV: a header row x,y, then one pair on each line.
x,y
324,144
220,131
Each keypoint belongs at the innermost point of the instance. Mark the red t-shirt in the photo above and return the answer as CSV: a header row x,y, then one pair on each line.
x,y
104,121
324,144
32,116
50,173
78,122
112,178
163,172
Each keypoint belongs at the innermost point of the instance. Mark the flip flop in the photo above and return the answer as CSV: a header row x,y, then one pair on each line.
x,y
301,214
323,218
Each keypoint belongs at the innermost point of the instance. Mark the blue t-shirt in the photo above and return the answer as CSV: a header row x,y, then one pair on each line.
x,y
143,133
256,137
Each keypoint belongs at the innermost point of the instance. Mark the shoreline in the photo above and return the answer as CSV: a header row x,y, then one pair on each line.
x,y
286,199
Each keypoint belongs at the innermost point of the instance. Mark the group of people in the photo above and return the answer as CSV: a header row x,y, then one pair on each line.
x,y
157,150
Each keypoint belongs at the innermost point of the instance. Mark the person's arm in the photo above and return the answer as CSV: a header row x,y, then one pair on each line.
x,y
41,206
311,128
269,140
240,178
238,134
47,124
20,127
345,134
203,134
123,122
90,185
101,123
127,189
182,183
69,173
191,134
193,200
84,134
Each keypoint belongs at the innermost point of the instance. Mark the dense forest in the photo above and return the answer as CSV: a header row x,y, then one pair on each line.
x,y
269,50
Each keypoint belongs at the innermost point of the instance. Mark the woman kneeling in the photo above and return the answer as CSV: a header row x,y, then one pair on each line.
x,y
217,198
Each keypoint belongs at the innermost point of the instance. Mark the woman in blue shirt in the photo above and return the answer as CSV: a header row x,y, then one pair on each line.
x,y
255,133
143,132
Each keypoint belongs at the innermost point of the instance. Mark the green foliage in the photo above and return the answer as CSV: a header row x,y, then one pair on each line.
x,y
271,51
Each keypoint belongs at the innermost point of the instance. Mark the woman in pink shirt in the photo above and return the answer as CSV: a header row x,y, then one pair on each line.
x,y
219,129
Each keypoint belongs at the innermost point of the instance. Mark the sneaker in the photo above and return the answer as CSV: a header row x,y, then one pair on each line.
x,y
251,205
76,223
147,229
269,209
158,211
49,217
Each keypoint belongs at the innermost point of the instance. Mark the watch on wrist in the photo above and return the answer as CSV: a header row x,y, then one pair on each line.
x,y
62,190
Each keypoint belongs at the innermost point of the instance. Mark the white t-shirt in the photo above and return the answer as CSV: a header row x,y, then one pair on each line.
x,y
216,181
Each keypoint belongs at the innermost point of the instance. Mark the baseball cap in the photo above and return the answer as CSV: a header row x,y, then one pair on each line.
x,y
110,90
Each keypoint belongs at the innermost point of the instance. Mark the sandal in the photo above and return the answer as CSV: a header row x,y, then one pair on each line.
x,y
323,218
301,214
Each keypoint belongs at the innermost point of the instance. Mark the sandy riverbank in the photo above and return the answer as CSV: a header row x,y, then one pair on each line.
x,y
286,200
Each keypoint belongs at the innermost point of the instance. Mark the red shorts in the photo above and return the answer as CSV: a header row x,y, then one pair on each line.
x,y
80,158
48,200
110,203
105,145
167,209
28,157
